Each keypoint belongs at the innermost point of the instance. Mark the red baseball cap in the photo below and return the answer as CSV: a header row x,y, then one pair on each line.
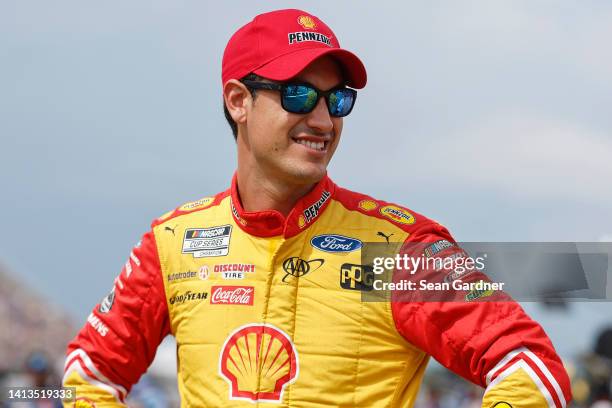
x,y
278,45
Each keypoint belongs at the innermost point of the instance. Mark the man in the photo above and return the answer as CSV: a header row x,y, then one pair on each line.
x,y
261,285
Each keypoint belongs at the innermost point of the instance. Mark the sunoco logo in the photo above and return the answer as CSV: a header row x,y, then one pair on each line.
x,y
335,243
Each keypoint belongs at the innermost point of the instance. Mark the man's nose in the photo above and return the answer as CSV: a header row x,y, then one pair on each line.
x,y
319,118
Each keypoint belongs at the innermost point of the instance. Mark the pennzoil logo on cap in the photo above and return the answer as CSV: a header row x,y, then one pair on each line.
x,y
258,361
307,22
301,36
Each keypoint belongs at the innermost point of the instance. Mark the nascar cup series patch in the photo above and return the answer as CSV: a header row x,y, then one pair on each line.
x,y
204,242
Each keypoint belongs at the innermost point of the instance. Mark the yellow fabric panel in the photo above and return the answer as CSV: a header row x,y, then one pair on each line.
x,y
348,350
86,391
518,390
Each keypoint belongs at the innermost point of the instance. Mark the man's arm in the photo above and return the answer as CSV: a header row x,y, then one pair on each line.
x,y
121,335
492,343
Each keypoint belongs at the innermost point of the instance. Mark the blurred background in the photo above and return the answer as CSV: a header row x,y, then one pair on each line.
x,y
491,117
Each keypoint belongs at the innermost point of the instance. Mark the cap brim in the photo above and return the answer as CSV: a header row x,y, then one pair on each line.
x,y
289,65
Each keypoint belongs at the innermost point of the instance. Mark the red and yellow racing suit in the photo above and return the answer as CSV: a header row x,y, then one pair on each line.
x,y
267,310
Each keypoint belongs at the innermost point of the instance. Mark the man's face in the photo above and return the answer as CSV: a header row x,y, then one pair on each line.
x,y
296,148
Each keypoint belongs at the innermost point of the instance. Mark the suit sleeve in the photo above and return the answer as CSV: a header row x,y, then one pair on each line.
x,y
120,337
485,337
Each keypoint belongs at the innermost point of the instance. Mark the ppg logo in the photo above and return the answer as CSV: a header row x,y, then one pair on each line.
x,y
356,277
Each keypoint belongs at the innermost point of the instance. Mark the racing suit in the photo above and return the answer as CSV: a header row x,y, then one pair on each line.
x,y
268,309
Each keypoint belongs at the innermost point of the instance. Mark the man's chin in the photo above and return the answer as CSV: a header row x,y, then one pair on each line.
x,y
306,176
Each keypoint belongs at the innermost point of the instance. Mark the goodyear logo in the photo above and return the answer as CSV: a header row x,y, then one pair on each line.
x,y
397,214
357,277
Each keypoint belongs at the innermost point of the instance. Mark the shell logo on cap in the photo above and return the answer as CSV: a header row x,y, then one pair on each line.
x,y
307,22
397,214
258,361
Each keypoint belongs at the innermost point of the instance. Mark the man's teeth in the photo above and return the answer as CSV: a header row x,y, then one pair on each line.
x,y
312,145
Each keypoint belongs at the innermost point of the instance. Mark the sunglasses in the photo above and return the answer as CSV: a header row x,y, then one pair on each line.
x,y
303,98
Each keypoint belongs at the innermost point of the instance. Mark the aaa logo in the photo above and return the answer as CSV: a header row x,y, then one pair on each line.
x,y
296,266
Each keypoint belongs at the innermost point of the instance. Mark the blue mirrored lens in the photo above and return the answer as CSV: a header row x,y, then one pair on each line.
x,y
341,102
299,98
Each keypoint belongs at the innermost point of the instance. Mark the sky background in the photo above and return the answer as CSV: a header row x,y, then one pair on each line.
x,y
490,117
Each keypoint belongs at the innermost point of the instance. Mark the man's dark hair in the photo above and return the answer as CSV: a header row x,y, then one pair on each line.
x,y
228,117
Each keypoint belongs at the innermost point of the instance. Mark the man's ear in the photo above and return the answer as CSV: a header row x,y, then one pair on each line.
x,y
236,97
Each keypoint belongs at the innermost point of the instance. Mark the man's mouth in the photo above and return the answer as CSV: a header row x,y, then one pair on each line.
x,y
319,146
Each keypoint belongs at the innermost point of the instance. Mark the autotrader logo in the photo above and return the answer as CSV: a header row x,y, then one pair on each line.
x,y
296,266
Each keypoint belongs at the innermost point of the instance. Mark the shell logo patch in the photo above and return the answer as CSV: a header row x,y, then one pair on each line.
x,y
301,221
397,214
258,361
307,22
201,203
84,403
368,205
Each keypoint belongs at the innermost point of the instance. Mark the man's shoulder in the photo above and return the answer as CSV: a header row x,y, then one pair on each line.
x,y
203,204
396,214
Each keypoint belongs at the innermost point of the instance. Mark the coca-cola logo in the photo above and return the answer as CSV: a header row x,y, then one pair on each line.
x,y
232,295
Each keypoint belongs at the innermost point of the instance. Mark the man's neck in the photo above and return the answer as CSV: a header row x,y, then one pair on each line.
x,y
259,193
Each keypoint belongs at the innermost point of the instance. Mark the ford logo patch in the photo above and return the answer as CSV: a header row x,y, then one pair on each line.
x,y
335,243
